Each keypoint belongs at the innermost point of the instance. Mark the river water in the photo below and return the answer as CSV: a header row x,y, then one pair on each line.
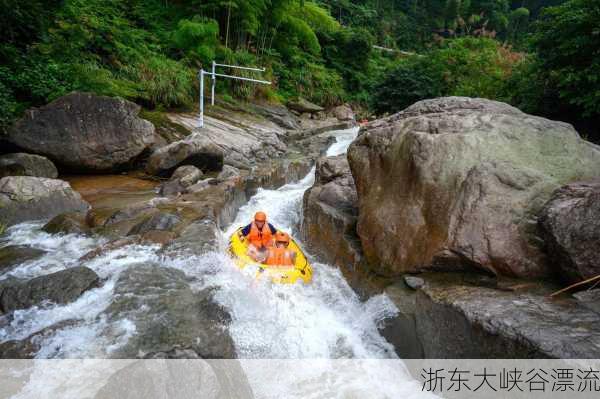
x,y
321,320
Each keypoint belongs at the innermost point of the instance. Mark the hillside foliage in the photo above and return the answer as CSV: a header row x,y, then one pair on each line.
x,y
540,55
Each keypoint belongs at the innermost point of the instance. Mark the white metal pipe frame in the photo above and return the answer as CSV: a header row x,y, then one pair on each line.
x,y
213,74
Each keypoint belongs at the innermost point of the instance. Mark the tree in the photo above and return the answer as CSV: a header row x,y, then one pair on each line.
x,y
518,21
567,40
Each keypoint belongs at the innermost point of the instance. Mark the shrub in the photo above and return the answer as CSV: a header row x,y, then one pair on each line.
x,y
165,82
197,39
412,80
475,67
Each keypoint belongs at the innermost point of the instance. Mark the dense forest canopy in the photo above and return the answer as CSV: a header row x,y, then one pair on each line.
x,y
540,55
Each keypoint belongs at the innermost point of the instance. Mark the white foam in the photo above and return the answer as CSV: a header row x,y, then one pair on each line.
x,y
63,250
321,320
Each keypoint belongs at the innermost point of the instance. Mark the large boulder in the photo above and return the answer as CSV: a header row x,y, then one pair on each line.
x,y
85,131
174,317
160,221
183,177
60,287
245,139
343,113
156,379
21,164
304,106
198,238
195,150
570,224
30,198
329,214
458,182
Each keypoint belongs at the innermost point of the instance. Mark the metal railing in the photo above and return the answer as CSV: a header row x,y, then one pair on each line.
x,y
213,74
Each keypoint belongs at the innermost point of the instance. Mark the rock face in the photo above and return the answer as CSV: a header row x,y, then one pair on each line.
x,y
304,106
343,113
180,180
589,299
570,224
459,321
176,317
452,316
21,164
60,287
244,144
195,150
458,181
29,198
84,131
330,211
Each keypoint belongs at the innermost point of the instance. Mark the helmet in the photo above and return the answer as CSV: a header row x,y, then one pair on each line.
x,y
260,217
280,236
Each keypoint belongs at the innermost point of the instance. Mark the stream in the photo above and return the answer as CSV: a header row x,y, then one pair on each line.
x,y
323,320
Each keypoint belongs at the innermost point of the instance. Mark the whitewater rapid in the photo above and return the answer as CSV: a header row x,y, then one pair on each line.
x,y
322,320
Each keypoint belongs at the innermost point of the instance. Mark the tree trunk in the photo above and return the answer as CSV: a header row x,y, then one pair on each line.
x,y
227,28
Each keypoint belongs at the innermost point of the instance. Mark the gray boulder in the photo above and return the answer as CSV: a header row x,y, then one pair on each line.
x,y
25,198
570,225
180,180
13,255
159,221
157,379
228,172
589,299
414,282
60,287
458,182
343,113
460,321
199,237
175,316
68,223
195,150
21,164
245,139
277,114
304,106
85,132
330,212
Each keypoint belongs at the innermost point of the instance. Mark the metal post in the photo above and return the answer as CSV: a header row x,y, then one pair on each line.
x,y
202,98
212,89
214,75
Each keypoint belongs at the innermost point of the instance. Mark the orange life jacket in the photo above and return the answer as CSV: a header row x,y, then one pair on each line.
x,y
260,238
280,257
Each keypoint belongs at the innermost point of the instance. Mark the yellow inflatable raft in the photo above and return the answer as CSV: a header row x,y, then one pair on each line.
x,y
301,271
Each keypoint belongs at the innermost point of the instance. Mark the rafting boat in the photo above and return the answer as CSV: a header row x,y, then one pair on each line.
x,y
301,271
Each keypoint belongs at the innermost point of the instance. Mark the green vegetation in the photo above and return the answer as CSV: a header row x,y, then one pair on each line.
x,y
540,55
473,67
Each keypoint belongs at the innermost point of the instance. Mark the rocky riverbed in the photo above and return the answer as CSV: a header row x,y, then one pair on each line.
x,y
441,233
135,267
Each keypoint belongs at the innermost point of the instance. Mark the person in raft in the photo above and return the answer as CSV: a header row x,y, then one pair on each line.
x,y
260,235
280,255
